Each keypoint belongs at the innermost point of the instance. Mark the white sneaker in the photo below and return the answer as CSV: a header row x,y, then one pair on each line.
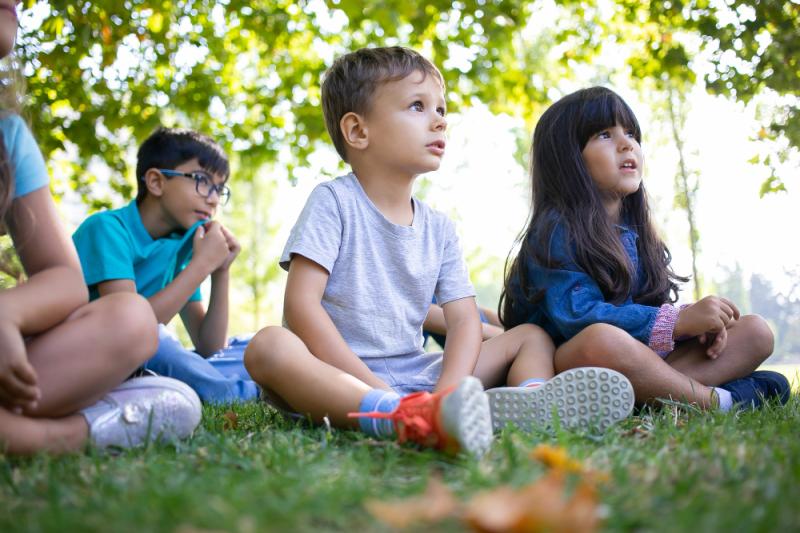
x,y
143,410
466,417
581,397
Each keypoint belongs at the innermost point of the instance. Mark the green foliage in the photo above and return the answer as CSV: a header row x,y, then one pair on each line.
x,y
753,48
103,74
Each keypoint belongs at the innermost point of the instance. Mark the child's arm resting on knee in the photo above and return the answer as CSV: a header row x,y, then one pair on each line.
x,y
463,342
54,289
305,316
212,251
708,320
208,328
573,301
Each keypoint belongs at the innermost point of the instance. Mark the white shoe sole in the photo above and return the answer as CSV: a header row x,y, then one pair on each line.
x,y
163,409
466,417
580,397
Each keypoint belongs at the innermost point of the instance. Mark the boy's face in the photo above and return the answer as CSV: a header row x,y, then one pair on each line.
x,y
180,199
405,125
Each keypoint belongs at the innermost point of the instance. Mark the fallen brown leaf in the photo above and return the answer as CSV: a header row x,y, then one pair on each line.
x,y
556,457
540,506
230,421
434,505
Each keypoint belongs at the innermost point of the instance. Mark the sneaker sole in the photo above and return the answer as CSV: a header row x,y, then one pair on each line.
x,y
580,397
466,416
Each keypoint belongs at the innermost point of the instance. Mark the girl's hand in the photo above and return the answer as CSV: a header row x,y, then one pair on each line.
x,y
233,248
710,315
717,342
18,383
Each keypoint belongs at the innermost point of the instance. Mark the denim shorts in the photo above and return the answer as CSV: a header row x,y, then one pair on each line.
x,y
407,373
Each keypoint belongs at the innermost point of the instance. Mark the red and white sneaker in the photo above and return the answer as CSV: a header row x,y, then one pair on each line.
x,y
454,420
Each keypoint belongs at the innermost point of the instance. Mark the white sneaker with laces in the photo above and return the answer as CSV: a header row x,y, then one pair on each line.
x,y
143,410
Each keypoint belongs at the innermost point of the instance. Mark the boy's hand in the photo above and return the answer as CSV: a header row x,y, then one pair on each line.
x,y
233,248
706,318
209,246
18,383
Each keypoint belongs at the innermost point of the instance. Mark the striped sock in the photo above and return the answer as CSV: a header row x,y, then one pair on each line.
x,y
381,401
533,382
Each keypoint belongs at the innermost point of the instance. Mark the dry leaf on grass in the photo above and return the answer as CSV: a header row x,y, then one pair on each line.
x,y
434,505
557,458
230,421
540,506
544,505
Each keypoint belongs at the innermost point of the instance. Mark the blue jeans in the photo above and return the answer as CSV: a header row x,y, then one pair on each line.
x,y
222,378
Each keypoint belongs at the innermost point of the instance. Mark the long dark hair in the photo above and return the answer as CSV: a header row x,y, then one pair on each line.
x,y
563,193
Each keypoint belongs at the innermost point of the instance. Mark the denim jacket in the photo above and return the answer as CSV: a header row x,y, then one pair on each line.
x,y
572,300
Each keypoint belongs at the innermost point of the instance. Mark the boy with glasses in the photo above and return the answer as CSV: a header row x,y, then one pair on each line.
x,y
163,245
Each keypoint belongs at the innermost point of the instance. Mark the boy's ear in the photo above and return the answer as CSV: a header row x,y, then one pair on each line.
x,y
154,180
354,131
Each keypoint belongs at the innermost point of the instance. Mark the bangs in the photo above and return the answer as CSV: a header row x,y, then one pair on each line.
x,y
604,109
215,163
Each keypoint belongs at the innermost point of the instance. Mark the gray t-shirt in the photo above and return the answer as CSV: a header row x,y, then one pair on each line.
x,y
382,276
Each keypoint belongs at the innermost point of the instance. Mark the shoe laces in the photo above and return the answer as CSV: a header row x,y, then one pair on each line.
x,y
416,418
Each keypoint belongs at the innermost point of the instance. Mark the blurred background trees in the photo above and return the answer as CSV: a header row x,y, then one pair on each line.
x,y
102,74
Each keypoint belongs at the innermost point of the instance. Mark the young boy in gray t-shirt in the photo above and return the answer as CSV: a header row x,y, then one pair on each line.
x,y
365,259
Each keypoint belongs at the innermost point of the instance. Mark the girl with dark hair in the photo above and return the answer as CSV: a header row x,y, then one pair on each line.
x,y
592,271
63,361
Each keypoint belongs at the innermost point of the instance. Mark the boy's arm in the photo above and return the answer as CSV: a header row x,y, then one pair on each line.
x,y
208,329
463,342
167,302
434,322
210,253
305,316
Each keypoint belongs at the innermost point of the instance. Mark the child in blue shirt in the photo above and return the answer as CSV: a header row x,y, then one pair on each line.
x,y
63,360
163,245
592,271
365,260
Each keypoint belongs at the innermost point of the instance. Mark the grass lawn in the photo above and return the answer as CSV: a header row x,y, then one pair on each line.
x,y
672,470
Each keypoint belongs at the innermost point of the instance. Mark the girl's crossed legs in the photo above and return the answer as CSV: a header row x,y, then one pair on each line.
x,y
687,373
77,362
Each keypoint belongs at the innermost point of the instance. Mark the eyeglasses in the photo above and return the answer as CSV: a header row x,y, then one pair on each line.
x,y
203,184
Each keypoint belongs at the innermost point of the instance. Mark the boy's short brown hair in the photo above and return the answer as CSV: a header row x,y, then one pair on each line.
x,y
351,81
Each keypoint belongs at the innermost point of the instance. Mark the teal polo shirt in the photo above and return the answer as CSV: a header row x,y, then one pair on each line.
x,y
115,245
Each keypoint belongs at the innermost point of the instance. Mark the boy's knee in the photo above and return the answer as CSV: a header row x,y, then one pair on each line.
x,y
758,334
265,348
